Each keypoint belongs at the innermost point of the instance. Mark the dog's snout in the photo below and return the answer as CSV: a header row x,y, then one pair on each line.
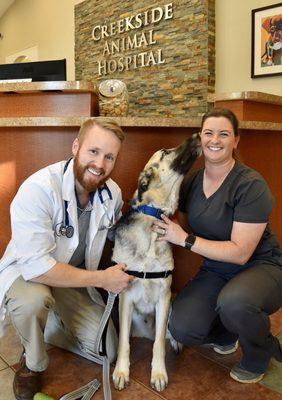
x,y
186,154
196,144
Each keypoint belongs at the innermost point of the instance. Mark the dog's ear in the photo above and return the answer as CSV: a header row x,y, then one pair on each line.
x,y
144,180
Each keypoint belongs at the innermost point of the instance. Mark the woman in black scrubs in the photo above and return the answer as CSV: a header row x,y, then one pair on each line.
x,y
225,206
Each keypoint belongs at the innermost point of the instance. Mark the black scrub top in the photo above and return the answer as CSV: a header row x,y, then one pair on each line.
x,y
243,197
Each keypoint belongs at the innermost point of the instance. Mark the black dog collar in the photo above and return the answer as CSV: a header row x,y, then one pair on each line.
x,y
149,275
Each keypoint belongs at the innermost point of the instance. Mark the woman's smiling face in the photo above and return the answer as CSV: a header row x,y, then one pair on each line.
x,y
218,140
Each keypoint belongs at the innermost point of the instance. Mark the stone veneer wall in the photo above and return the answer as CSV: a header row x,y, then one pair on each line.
x,y
177,87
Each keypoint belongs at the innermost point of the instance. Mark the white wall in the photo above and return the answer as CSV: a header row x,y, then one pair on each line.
x,y
233,49
49,24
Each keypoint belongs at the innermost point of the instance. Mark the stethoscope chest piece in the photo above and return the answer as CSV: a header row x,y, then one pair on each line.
x,y
67,231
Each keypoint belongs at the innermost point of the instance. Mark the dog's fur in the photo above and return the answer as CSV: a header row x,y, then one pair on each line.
x,y
136,246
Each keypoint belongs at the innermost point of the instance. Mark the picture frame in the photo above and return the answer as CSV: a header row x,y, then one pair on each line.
x,y
266,41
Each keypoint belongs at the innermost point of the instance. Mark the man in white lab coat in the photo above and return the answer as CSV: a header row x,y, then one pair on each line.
x,y
60,219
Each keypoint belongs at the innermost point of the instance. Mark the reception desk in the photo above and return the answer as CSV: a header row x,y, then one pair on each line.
x,y
251,106
48,99
29,143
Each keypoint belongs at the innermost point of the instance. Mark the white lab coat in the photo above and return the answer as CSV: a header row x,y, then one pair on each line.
x,y
37,211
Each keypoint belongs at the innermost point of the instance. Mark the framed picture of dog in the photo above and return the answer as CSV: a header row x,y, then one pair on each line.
x,y
267,41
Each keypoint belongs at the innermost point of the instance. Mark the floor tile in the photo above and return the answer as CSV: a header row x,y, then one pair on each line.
x,y
273,377
195,374
276,322
140,348
3,365
194,377
226,360
67,372
6,384
10,346
135,391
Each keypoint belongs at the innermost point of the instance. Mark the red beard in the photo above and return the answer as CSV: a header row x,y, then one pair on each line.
x,y
79,174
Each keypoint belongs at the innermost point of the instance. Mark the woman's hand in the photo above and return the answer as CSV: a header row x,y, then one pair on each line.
x,y
169,231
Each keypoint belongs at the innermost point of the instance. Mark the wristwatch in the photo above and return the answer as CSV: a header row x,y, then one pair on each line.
x,y
189,241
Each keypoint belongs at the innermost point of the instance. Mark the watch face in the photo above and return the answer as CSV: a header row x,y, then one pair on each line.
x,y
111,87
189,241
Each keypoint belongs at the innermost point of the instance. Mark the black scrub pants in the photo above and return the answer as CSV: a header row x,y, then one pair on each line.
x,y
211,309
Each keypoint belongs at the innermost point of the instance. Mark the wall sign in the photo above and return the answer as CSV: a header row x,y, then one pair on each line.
x,y
119,37
163,50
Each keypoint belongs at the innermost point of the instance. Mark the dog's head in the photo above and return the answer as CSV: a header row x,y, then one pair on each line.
x,y
186,154
168,165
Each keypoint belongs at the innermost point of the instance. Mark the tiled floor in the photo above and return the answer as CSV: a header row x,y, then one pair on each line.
x,y
195,374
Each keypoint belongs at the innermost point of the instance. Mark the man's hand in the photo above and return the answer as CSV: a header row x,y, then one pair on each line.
x,y
114,279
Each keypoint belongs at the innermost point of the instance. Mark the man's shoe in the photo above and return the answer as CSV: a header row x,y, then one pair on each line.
x,y
225,349
26,382
240,374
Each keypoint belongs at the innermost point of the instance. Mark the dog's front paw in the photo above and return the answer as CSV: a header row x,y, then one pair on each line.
x,y
159,380
120,379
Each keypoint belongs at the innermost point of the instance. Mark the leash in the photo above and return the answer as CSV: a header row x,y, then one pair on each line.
x,y
100,357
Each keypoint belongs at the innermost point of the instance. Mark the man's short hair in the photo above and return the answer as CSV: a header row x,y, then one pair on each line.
x,y
109,125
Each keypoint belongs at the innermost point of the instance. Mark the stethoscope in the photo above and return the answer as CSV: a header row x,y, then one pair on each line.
x,y
65,229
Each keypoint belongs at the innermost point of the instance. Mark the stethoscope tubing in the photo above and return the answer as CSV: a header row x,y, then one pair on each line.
x,y
65,228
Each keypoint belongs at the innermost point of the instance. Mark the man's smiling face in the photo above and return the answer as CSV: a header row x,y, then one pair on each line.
x,y
95,157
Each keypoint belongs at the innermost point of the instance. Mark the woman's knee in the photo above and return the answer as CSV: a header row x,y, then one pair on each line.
x,y
190,330
235,305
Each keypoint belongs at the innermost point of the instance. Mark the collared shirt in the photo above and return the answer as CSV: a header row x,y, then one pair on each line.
x,y
83,216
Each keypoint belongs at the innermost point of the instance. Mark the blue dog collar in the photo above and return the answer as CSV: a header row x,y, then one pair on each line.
x,y
149,210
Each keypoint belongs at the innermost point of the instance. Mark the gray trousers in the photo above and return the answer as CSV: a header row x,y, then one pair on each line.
x,y
63,317
211,309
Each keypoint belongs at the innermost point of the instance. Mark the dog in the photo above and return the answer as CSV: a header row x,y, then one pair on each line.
x,y
145,257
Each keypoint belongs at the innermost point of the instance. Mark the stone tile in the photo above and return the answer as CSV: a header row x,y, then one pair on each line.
x,y
6,384
3,365
195,377
10,346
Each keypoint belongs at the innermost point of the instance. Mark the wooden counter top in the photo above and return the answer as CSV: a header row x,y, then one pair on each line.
x,y
259,97
64,86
